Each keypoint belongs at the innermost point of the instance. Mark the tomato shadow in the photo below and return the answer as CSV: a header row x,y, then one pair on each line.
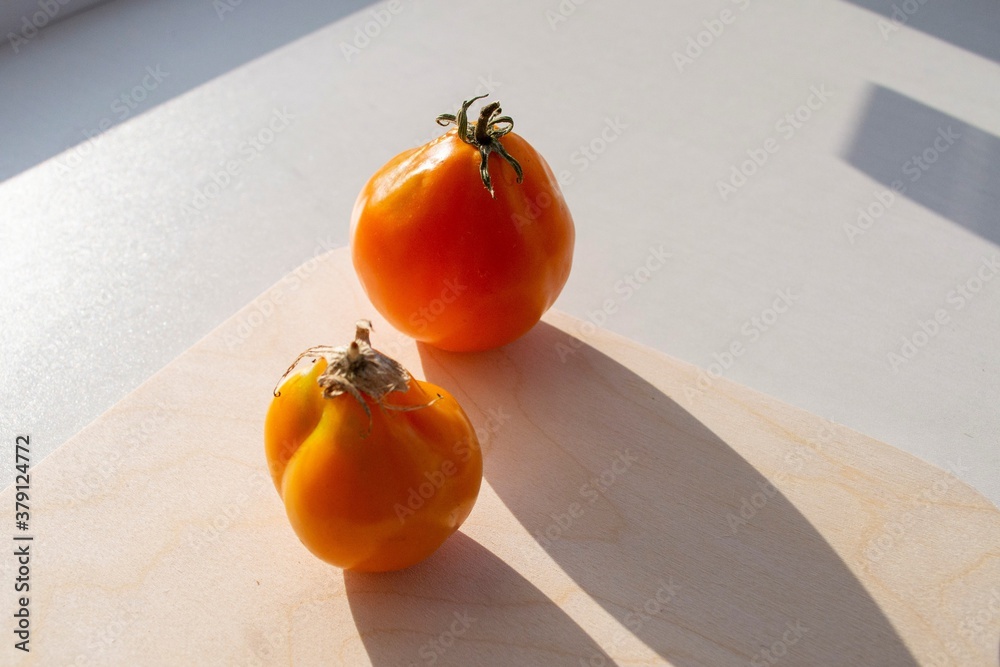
x,y
624,489
463,606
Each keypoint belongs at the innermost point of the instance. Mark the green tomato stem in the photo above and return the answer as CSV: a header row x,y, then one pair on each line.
x,y
485,135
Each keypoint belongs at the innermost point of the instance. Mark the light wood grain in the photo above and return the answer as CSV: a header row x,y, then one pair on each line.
x,y
634,512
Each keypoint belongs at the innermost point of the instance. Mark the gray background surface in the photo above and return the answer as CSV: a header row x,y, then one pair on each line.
x,y
120,248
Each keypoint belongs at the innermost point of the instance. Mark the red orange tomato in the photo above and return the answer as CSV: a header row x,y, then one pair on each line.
x,y
466,241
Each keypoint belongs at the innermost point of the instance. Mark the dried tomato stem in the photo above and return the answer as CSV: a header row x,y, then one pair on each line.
x,y
485,135
359,370
362,331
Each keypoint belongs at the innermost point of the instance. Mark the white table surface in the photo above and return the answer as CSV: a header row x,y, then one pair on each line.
x,y
110,270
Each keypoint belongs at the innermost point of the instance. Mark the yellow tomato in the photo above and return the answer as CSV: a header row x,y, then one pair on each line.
x,y
375,480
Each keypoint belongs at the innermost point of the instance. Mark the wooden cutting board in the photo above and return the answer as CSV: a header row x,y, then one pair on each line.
x,y
635,511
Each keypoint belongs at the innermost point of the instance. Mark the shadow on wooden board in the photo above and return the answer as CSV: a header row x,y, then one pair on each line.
x,y
479,606
626,492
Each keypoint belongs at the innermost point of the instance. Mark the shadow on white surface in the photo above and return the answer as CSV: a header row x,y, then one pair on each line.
x,y
79,78
930,157
973,25
22,18
738,590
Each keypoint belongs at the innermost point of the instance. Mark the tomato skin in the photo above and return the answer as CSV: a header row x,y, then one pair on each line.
x,y
447,264
376,502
